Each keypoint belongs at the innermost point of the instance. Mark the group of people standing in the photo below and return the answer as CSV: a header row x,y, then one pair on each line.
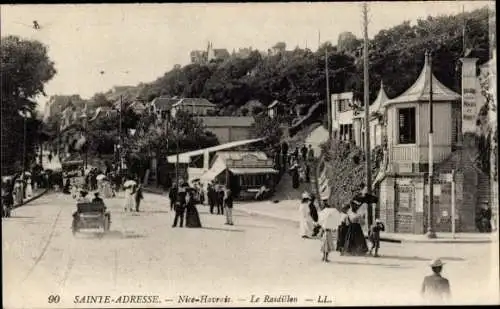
x,y
183,201
347,224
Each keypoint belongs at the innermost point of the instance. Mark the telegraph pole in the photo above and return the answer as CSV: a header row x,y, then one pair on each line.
x,y
120,134
430,215
328,106
177,161
366,97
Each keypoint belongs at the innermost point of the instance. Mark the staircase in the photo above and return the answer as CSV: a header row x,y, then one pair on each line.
x,y
483,191
285,191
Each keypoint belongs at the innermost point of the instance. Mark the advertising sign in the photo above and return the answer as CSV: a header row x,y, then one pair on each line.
x,y
469,95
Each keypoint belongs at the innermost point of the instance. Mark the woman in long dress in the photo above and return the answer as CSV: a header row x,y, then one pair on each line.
x,y
130,198
355,242
192,216
342,229
329,222
295,175
306,226
29,188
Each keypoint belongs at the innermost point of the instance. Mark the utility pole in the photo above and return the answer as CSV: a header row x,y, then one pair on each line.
x,y
430,215
24,143
328,106
319,38
177,161
120,134
366,97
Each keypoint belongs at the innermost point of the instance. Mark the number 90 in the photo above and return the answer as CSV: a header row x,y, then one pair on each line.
x,y
54,299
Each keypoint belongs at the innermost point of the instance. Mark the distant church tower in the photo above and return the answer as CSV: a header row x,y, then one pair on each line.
x,y
210,52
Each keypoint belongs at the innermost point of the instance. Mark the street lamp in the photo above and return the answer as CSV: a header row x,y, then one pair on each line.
x,y
430,215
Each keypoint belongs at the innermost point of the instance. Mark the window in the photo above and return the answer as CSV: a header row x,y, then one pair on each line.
x,y
407,126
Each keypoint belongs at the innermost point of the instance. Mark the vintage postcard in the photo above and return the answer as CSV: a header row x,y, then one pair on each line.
x,y
249,154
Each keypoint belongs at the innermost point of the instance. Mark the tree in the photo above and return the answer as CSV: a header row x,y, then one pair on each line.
x,y
26,68
345,166
268,128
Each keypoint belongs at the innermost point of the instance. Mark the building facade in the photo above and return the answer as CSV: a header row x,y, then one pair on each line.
x,y
193,106
242,171
229,129
403,187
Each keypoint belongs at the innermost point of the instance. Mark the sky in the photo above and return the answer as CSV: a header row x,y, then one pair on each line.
x,y
135,43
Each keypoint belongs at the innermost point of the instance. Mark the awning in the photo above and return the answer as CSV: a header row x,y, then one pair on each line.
x,y
251,170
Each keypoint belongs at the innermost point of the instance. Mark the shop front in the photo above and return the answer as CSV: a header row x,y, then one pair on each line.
x,y
244,172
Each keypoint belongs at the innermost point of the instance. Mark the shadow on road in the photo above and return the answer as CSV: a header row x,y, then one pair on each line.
x,y
109,235
222,229
257,226
417,258
367,264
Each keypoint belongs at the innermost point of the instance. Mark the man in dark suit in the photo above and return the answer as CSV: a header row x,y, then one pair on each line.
x,y
211,197
172,195
220,201
435,288
180,206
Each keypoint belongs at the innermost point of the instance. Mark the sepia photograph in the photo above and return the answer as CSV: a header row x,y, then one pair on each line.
x,y
185,155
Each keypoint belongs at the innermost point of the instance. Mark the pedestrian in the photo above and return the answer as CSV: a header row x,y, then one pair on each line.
x,y
180,207
310,153
342,228
313,212
306,225
129,198
29,188
329,221
138,197
50,157
192,215
303,152
374,236
308,173
295,175
284,155
228,204
211,197
172,195
436,288
220,200
296,154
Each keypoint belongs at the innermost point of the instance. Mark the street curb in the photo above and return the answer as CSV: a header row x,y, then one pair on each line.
x,y
386,239
32,199
148,190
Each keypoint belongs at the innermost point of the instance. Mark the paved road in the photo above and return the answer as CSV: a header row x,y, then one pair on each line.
x,y
143,254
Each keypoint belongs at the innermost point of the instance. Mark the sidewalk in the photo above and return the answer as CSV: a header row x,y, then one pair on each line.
x,y
36,194
288,210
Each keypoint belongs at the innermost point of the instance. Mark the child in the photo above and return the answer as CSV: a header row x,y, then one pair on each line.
x,y
374,236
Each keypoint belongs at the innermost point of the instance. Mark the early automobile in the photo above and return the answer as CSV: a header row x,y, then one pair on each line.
x,y
72,168
91,216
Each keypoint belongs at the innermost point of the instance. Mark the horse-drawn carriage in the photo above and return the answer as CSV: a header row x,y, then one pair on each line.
x,y
91,216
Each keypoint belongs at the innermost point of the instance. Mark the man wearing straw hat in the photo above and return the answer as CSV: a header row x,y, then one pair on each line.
x,y
436,288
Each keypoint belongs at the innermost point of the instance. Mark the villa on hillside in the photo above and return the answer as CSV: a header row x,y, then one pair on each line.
x,y
194,106
377,122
